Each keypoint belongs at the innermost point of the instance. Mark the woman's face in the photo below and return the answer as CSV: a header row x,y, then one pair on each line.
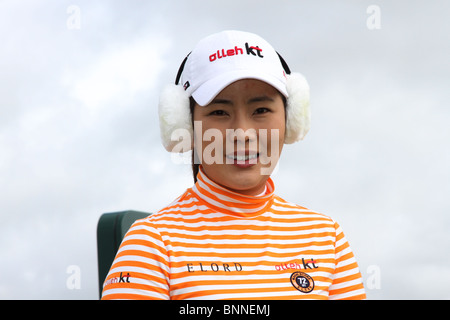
x,y
241,135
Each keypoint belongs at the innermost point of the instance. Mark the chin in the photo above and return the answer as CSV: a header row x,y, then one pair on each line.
x,y
242,180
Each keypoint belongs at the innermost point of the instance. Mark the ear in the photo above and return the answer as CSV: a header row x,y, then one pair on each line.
x,y
298,115
174,113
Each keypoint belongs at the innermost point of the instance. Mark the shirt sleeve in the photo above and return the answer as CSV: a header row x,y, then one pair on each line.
x,y
140,269
347,281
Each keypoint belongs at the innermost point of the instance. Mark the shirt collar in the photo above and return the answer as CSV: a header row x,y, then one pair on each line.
x,y
226,201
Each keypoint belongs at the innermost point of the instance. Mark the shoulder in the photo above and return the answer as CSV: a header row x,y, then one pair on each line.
x,y
287,207
183,204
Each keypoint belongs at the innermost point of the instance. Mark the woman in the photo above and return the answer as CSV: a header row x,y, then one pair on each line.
x,y
235,103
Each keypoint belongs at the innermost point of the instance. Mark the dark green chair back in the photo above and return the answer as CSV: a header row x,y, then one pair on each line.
x,y
111,229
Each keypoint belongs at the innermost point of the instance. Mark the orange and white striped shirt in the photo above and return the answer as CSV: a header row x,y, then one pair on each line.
x,y
212,243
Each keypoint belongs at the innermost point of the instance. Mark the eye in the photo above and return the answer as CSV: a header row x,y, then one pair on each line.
x,y
261,110
218,113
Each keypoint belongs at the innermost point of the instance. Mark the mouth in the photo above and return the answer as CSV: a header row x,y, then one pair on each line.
x,y
243,159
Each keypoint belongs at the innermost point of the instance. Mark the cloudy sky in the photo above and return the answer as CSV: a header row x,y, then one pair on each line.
x,y
79,84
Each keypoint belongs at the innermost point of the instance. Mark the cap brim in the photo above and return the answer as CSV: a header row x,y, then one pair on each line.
x,y
211,88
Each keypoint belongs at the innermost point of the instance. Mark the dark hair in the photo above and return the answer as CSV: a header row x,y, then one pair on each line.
x,y
194,158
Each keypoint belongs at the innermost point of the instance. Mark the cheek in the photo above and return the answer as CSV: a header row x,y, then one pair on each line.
x,y
279,124
209,142
276,138
282,127
282,134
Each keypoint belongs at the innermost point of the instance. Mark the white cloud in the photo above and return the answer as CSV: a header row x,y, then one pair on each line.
x,y
79,134
118,74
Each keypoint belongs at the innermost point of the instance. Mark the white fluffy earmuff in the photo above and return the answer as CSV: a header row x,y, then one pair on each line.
x,y
174,112
298,114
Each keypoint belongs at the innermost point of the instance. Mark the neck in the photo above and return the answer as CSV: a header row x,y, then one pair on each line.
x,y
233,202
257,191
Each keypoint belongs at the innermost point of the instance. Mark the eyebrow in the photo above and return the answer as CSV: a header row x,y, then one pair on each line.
x,y
260,99
251,100
221,101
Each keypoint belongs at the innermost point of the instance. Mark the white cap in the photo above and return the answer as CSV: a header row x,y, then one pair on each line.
x,y
223,58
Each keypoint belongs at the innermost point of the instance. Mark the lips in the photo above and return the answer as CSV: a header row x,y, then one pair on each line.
x,y
243,158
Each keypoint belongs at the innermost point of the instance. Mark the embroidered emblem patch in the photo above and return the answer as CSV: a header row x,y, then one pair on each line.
x,y
302,282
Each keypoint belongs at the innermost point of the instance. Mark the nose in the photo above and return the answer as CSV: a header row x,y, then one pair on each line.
x,y
242,131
